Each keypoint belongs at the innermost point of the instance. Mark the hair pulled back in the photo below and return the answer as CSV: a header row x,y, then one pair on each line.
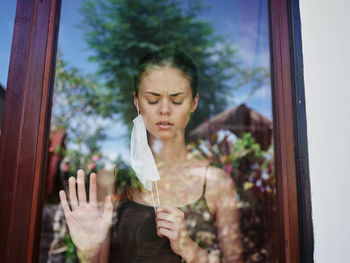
x,y
167,57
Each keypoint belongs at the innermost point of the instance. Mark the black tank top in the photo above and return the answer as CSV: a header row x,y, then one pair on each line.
x,y
134,237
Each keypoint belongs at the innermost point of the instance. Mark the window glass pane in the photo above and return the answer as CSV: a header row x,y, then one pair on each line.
x,y
7,18
212,153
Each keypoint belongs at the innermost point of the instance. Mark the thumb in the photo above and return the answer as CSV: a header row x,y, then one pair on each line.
x,y
108,210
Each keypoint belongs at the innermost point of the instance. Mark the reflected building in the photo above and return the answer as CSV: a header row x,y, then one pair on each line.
x,y
238,120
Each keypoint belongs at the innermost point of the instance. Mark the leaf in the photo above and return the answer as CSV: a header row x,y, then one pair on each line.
x,y
247,185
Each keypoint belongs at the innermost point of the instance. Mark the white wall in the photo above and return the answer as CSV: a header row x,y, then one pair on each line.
x,y
326,50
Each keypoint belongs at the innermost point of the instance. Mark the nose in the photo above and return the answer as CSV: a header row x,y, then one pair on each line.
x,y
165,108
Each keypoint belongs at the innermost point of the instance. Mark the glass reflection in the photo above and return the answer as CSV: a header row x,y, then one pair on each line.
x,y
213,152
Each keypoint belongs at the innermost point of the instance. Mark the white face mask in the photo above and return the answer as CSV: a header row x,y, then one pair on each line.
x,y
141,156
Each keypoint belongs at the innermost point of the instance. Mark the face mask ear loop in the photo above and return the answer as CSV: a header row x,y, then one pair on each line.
x,y
157,193
137,104
154,204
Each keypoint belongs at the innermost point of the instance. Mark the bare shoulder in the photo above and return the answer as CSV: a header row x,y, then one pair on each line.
x,y
219,181
220,186
217,178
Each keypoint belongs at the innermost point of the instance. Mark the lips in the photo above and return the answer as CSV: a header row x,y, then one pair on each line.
x,y
164,125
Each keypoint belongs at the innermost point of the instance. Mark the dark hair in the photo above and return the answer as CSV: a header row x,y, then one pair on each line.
x,y
168,57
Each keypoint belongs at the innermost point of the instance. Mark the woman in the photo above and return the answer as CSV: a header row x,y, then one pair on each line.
x,y
197,220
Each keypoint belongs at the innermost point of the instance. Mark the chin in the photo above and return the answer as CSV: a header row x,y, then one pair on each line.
x,y
163,135
166,137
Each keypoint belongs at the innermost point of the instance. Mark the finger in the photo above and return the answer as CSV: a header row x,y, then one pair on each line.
x,y
93,190
166,224
64,204
81,187
108,210
169,209
167,217
72,193
166,232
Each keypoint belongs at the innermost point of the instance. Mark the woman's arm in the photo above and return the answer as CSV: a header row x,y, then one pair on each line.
x,y
195,254
104,253
222,197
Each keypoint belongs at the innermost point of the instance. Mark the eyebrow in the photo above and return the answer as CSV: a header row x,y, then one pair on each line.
x,y
171,95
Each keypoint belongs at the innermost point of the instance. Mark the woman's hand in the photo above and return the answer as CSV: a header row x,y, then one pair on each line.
x,y
87,227
171,224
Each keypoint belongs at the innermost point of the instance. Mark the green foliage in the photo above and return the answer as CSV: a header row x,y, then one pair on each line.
x,y
75,96
75,109
121,32
125,175
253,173
71,253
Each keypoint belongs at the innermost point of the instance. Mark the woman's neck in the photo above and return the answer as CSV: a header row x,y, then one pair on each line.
x,y
170,152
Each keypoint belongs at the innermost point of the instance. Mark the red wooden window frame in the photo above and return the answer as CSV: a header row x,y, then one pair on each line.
x,y
26,125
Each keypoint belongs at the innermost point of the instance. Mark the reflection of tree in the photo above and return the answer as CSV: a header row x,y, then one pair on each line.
x,y
121,32
73,111
253,172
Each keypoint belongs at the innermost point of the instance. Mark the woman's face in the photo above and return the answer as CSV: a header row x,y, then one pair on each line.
x,y
165,102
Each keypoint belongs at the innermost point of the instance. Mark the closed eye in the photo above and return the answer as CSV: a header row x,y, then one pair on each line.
x,y
174,102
